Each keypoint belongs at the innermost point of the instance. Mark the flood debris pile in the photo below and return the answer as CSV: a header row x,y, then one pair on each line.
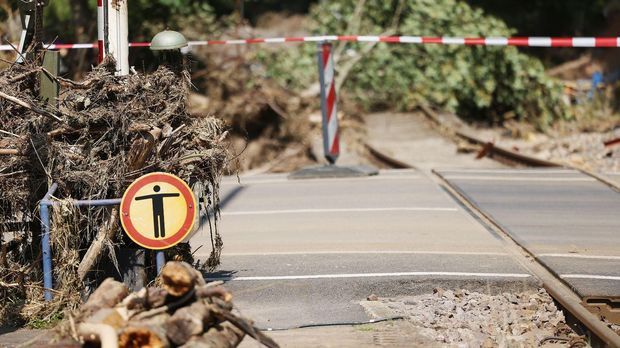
x,y
269,123
184,312
103,133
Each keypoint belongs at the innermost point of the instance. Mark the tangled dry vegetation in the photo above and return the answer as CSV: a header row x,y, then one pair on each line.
x,y
105,132
184,312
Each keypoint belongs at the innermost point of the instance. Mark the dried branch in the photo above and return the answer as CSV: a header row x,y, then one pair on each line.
x,y
29,106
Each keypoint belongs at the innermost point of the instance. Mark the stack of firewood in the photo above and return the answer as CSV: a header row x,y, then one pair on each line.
x,y
184,312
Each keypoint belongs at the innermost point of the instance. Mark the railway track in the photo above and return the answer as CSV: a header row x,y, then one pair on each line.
x,y
583,313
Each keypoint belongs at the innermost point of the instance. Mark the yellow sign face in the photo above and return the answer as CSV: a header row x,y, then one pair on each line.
x,y
157,210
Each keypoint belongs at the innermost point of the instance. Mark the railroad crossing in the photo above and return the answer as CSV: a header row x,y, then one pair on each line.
x,y
308,251
305,251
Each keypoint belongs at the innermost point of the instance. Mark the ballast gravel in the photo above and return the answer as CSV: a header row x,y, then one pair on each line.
x,y
470,319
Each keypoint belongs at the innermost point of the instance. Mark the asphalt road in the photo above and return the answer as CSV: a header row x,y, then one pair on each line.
x,y
307,251
568,220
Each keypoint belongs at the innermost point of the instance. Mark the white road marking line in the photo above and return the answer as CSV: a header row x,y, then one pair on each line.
x,y
588,276
345,210
514,178
373,275
287,181
577,256
391,252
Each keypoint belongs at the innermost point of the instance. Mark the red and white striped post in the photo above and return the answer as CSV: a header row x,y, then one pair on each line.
x,y
100,31
331,142
112,32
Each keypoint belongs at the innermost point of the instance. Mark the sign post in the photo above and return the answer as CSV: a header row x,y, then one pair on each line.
x,y
331,142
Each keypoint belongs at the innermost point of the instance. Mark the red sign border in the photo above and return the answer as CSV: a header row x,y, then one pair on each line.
x,y
131,192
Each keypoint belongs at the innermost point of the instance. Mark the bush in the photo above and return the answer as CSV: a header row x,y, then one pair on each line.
x,y
490,83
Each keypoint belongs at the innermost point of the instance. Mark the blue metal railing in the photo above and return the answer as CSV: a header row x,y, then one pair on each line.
x,y
44,209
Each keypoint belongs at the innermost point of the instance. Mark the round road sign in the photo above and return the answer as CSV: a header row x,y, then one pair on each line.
x,y
157,210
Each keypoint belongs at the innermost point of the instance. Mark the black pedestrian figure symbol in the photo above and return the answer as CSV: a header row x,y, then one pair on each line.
x,y
159,226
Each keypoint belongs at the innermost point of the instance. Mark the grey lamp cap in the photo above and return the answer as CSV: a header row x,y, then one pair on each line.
x,y
168,40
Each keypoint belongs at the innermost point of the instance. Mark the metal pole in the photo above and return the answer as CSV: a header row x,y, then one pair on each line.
x,y
98,202
161,260
331,142
45,242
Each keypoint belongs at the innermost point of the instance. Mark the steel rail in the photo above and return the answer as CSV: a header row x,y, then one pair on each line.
x,y
387,160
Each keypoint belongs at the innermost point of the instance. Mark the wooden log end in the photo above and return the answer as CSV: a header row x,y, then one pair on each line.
x,y
178,278
143,336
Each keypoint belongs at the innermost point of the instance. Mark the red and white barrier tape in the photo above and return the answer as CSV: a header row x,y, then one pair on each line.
x,y
488,41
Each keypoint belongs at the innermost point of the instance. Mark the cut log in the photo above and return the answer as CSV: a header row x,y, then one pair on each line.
x,y
224,335
93,254
156,320
178,278
135,300
107,295
244,325
156,297
103,334
187,322
107,316
138,336
213,291
169,306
